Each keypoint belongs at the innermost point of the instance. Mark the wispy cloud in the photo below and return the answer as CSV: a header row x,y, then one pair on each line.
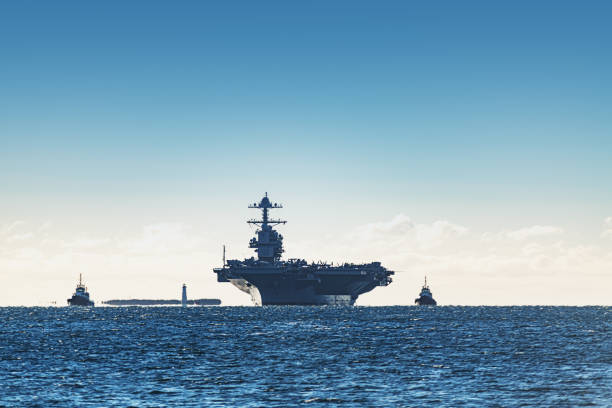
x,y
162,238
444,247
11,227
86,243
19,237
534,231
444,250
607,233
151,260
153,239
401,230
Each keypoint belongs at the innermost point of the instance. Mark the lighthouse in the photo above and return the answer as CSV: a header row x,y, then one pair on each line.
x,y
184,298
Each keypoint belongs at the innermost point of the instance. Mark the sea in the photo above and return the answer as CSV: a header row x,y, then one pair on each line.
x,y
284,356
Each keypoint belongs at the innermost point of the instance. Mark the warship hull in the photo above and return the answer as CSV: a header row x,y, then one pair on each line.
x,y
268,294
80,301
425,301
284,286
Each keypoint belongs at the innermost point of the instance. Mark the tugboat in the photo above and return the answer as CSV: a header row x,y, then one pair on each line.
x,y
425,298
273,281
80,296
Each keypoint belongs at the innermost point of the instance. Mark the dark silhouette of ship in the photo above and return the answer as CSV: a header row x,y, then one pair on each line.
x,y
272,281
425,297
80,296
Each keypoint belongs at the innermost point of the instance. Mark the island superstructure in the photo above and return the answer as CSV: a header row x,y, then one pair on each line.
x,y
272,281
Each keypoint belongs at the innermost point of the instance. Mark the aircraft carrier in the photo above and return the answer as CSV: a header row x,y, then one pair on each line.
x,y
272,281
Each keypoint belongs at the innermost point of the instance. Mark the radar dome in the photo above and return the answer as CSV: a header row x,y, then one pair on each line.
x,y
265,202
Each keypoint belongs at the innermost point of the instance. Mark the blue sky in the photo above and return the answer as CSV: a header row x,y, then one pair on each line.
x,y
493,115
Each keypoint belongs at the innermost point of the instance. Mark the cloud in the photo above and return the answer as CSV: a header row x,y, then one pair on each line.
x,y
153,239
447,252
19,237
402,231
438,232
47,225
18,232
162,238
607,233
148,262
7,229
86,243
400,224
446,248
533,231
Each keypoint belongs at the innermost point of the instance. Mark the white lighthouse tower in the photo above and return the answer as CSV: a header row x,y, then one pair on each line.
x,y
184,298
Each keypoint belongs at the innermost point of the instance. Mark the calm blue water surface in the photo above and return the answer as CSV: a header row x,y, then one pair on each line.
x,y
312,356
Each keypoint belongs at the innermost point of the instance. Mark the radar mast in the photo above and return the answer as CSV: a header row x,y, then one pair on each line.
x,y
269,243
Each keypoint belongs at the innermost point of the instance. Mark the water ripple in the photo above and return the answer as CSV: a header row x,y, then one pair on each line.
x,y
315,356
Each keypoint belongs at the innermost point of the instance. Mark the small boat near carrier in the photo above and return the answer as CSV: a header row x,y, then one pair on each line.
x,y
425,297
80,297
